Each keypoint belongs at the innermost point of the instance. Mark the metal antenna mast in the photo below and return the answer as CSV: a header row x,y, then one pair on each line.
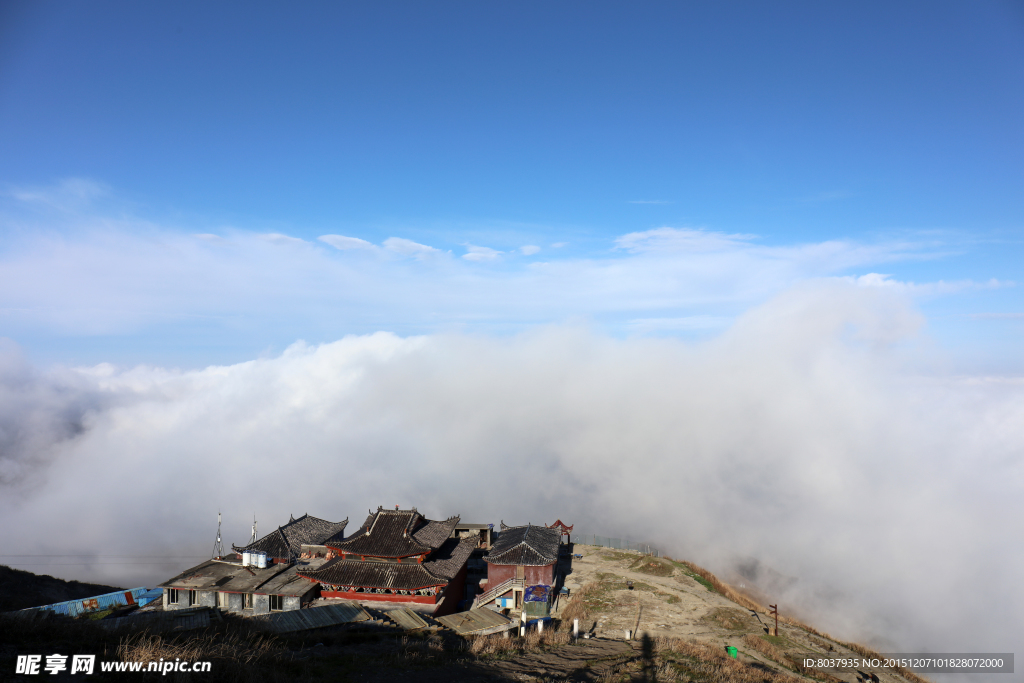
x,y
218,546
253,539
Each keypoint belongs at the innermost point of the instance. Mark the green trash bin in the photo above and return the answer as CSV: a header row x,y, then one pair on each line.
x,y
732,651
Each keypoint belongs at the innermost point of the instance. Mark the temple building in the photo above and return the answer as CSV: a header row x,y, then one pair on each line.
x,y
275,585
521,557
284,544
398,556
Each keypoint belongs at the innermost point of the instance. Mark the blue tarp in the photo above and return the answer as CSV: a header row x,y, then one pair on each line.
x,y
538,593
98,603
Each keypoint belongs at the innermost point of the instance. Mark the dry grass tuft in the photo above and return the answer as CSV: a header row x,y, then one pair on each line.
x,y
578,607
871,654
705,662
496,645
655,566
233,656
764,647
723,588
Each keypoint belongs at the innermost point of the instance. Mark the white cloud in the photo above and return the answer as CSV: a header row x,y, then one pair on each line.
x,y
529,249
68,194
998,316
344,243
681,239
405,247
278,238
474,253
123,280
686,323
787,438
927,288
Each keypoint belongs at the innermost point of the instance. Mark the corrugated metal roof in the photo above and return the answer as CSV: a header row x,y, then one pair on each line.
x,y
344,612
174,620
406,618
476,622
97,603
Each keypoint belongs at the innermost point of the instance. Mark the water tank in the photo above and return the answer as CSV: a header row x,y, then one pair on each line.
x,y
261,560
246,558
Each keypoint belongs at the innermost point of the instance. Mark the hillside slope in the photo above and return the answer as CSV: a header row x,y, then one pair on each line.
x,y
20,589
689,613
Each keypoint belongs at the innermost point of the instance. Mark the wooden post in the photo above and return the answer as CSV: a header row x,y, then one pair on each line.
x,y
775,611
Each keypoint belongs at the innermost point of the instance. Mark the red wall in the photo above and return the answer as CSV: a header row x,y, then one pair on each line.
x,y
500,573
453,594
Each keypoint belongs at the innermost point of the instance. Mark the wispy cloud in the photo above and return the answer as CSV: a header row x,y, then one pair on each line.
x,y
342,242
529,249
929,288
997,316
119,280
684,324
406,247
65,195
681,239
475,253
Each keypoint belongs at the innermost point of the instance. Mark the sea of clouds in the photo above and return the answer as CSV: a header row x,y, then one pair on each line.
x,y
800,436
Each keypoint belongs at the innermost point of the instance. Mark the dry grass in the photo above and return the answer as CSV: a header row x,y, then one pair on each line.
x,y
742,600
729,618
871,654
694,660
496,645
655,566
579,605
723,588
764,647
233,656
778,656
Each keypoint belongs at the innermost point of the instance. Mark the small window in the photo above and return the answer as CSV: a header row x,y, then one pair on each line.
x,y
193,598
222,600
247,602
276,603
172,596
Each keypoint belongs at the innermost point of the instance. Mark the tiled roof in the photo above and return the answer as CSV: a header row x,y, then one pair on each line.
x,y
396,533
447,560
441,568
227,577
290,537
433,534
526,545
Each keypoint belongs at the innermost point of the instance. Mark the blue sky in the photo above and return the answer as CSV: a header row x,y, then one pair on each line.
x,y
478,129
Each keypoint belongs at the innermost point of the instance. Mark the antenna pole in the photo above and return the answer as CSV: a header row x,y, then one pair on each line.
x,y
218,546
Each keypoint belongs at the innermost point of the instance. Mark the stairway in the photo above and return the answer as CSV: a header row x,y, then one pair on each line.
x,y
492,593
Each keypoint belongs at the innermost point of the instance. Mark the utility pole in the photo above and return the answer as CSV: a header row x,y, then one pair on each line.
x,y
775,611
